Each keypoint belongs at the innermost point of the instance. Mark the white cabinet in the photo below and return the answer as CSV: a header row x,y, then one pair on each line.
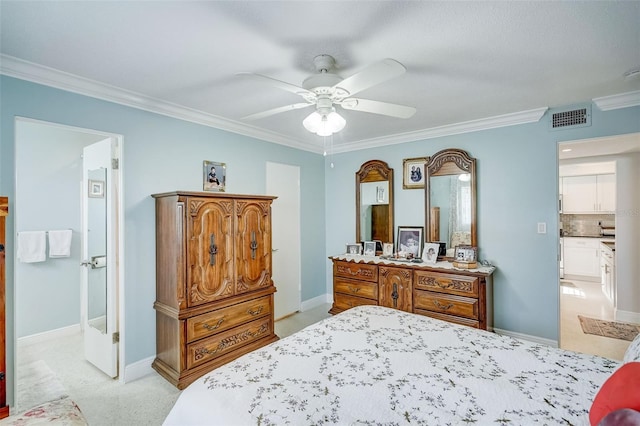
x,y
582,257
608,272
589,193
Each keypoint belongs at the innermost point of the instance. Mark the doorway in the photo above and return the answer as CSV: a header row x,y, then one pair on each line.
x,y
587,168
49,296
283,181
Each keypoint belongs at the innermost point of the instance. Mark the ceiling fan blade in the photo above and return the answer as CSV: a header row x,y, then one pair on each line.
x,y
277,83
376,107
376,73
278,110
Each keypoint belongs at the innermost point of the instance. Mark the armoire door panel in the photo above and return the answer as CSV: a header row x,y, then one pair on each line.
x,y
396,288
210,252
253,245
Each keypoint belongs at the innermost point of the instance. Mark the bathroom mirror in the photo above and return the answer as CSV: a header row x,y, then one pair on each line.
x,y
374,202
450,199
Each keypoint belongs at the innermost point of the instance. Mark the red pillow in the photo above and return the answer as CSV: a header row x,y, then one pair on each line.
x,y
621,390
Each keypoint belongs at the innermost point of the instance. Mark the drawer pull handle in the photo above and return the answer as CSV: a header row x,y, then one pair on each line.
x,y
255,312
215,326
213,250
254,245
230,342
443,285
353,289
441,306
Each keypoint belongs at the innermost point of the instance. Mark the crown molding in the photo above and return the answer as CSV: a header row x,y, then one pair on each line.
x,y
512,119
25,70
622,100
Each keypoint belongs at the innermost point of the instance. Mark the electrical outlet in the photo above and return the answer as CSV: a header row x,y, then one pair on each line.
x,y
542,228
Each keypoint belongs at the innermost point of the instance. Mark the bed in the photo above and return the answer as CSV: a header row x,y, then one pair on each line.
x,y
375,365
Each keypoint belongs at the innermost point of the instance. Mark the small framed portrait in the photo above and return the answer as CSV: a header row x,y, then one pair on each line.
x,y
214,176
96,188
413,172
410,241
467,254
369,248
354,248
430,252
387,249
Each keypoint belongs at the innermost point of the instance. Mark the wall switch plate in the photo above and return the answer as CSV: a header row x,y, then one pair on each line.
x,y
542,228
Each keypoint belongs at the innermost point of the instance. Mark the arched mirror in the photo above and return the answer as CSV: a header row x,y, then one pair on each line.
x,y
450,199
374,202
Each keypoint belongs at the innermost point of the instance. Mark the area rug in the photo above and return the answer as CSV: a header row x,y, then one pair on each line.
x,y
37,384
614,329
60,412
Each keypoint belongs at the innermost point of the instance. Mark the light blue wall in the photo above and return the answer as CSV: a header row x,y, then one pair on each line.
x,y
160,154
517,188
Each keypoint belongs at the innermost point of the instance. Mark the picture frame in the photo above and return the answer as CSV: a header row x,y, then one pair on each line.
x,y
354,249
96,188
430,253
465,254
369,248
387,249
410,241
214,176
413,171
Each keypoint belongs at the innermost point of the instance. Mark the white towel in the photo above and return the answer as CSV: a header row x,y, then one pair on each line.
x,y
60,243
32,246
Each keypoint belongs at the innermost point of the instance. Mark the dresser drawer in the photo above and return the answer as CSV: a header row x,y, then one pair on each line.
x,y
223,319
344,302
449,318
461,285
355,271
446,304
356,288
212,347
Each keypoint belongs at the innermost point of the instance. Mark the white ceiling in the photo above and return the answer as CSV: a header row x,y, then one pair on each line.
x,y
466,61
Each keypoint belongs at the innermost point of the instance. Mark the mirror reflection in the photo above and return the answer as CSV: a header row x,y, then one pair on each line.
x,y
450,199
97,247
374,202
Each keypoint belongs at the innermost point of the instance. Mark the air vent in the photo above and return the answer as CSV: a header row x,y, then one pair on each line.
x,y
564,119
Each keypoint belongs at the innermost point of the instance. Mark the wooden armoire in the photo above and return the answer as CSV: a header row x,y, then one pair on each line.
x,y
214,291
4,408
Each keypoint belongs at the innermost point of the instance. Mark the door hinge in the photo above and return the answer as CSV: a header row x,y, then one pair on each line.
x,y
116,337
115,163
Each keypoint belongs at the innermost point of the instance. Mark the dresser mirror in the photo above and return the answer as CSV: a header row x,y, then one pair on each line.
x,y
374,202
450,199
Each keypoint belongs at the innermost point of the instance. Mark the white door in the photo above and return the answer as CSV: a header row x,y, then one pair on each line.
x,y
283,181
98,268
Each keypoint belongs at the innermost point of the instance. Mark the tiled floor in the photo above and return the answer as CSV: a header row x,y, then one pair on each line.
x,y
586,298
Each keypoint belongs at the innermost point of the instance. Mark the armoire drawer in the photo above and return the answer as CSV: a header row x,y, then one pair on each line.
x,y
461,285
219,320
219,344
365,289
355,271
446,304
344,302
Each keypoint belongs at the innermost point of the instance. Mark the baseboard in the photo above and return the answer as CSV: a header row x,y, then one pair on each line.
x,y
316,301
138,369
49,335
527,337
627,316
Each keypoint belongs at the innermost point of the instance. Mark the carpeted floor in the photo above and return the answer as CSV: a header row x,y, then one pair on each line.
x,y
613,329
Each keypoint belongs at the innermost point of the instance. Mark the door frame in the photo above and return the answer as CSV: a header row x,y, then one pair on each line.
x,y
120,258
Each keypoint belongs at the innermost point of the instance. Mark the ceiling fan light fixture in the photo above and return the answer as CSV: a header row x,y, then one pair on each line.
x,y
324,124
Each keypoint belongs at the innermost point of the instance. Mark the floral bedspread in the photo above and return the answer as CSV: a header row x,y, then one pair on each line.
x,y
374,365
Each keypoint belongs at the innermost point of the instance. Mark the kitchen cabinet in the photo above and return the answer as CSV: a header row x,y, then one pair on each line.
x,y
608,272
589,193
582,257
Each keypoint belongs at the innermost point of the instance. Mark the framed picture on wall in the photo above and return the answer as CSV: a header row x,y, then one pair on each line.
x,y
413,172
96,188
214,176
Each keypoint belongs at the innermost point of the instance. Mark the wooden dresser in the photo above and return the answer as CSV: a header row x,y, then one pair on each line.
x,y
438,291
214,292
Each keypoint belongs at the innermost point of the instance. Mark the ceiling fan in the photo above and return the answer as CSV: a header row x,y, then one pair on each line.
x,y
326,90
